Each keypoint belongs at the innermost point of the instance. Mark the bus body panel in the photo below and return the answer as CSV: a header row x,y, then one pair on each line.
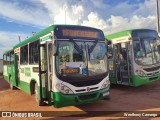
x,y
139,81
27,74
5,73
9,71
119,34
112,79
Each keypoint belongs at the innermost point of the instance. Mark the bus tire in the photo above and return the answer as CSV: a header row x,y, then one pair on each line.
x,y
11,83
37,97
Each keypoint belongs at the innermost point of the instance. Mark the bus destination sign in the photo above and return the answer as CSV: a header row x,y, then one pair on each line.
x,y
79,33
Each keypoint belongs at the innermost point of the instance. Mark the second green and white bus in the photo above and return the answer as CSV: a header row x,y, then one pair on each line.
x,y
134,57
62,65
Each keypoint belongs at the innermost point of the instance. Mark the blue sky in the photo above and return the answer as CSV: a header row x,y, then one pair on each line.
x,y
22,17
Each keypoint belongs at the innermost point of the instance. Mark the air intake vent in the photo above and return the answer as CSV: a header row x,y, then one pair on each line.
x,y
152,69
86,82
154,78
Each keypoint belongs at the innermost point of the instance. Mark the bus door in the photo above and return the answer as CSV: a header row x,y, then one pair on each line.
x,y
17,68
122,63
45,70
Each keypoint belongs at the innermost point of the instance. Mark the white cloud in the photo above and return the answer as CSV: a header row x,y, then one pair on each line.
x,y
147,8
118,23
99,4
33,16
59,9
69,15
9,39
119,17
94,13
95,21
122,9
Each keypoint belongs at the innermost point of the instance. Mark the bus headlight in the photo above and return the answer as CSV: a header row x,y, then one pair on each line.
x,y
105,84
140,72
64,89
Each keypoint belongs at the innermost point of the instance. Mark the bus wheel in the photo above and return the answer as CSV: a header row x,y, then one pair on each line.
x,y
11,83
37,97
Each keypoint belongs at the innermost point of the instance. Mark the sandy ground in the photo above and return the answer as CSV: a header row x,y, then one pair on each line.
x,y
123,100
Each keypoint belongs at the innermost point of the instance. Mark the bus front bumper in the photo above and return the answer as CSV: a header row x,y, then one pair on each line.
x,y
61,100
141,80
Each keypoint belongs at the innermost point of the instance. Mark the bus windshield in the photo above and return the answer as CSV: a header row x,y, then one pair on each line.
x,y
147,51
81,58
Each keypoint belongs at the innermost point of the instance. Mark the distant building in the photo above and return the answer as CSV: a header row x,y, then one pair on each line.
x,y
1,66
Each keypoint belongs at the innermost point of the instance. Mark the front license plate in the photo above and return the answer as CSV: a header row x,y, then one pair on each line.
x,y
105,94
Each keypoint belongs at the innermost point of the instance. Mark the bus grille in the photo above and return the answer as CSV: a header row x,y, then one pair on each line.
x,y
152,69
86,82
88,96
154,78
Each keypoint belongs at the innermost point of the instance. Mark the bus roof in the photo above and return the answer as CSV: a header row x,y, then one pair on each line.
x,y
9,50
44,32
122,33
36,36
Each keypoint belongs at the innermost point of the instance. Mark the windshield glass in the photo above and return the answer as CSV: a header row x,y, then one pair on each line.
x,y
97,58
147,50
74,60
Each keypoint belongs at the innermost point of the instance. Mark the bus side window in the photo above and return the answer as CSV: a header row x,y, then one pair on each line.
x,y
24,55
110,51
33,53
64,51
12,57
4,59
8,59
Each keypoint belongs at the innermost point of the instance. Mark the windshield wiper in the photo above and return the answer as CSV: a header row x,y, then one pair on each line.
x,y
93,46
76,46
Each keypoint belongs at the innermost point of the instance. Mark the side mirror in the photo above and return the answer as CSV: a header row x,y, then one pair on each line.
x,y
54,50
109,42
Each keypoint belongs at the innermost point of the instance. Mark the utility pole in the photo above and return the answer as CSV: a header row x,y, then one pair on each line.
x,y
65,12
65,16
19,38
33,33
157,14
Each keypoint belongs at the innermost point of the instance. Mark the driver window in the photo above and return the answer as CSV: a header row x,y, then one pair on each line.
x,y
138,52
64,53
69,58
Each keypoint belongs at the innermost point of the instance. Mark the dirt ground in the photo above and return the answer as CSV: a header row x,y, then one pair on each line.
x,y
123,100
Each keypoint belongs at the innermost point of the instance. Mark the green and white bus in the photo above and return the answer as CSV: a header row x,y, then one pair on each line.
x,y
134,57
62,65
